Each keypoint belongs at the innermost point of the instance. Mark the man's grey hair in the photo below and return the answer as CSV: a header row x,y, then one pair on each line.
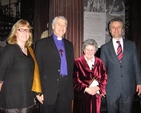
x,y
62,17
89,42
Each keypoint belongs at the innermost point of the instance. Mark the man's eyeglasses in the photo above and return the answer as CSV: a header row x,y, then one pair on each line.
x,y
24,30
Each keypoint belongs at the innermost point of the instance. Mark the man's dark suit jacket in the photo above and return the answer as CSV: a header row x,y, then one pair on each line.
x,y
124,76
49,61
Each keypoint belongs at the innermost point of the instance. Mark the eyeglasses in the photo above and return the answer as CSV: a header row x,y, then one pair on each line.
x,y
24,30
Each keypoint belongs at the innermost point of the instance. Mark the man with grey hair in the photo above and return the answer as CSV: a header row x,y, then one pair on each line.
x,y
55,58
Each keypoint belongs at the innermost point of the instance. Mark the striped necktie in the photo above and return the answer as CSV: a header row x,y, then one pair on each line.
x,y
119,51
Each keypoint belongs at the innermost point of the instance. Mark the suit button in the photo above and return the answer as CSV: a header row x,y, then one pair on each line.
x,y
120,66
121,75
58,70
57,79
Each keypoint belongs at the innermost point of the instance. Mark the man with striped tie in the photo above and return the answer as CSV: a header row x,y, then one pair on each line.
x,y
123,69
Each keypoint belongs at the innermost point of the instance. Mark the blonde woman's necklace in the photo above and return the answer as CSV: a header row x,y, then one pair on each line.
x,y
23,49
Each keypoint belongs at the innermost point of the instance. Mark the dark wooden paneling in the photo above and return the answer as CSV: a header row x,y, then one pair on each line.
x,y
134,19
41,17
27,10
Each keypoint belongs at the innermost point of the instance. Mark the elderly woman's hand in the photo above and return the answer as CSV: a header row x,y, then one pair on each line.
x,y
92,90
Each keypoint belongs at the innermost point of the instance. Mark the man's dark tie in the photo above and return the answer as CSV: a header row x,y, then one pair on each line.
x,y
119,51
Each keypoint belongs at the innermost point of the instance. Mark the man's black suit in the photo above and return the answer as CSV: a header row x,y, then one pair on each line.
x,y
49,61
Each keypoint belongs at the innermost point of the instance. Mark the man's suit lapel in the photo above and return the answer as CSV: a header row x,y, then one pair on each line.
x,y
66,49
125,48
54,48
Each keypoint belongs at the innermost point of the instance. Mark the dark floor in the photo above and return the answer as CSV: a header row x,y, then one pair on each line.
x,y
136,105
136,108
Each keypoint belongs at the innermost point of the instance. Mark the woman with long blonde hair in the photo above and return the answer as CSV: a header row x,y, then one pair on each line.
x,y
17,71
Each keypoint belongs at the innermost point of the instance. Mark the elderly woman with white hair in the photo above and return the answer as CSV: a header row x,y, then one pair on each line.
x,y
89,80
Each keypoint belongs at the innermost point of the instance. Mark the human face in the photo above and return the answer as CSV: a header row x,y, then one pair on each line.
x,y
22,34
59,27
116,30
89,51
